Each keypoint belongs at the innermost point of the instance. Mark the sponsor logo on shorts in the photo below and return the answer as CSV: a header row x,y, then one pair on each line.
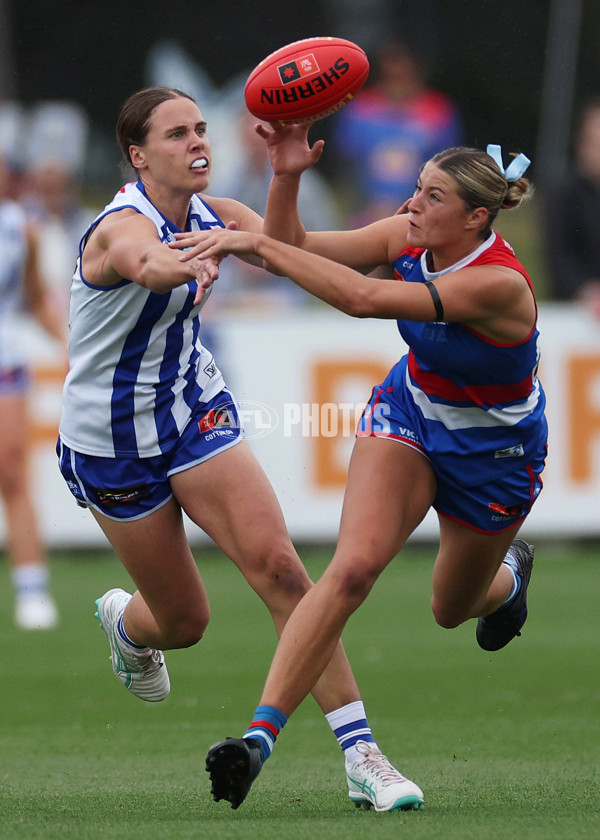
x,y
516,451
508,511
73,487
216,433
123,495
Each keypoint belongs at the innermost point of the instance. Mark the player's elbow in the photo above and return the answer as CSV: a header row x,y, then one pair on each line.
x,y
272,269
358,303
150,280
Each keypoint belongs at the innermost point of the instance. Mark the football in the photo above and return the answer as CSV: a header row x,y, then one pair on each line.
x,y
306,80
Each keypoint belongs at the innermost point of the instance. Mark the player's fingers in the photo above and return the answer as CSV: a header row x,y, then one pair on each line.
x,y
317,149
193,251
262,131
403,209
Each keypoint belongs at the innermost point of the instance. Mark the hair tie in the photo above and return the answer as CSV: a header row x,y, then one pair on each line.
x,y
516,167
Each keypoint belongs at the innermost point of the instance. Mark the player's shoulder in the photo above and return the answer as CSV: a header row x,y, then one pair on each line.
x,y
221,204
500,253
395,231
119,223
232,210
122,215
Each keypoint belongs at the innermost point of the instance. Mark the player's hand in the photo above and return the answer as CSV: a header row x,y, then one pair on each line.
x,y
206,271
403,209
214,243
290,152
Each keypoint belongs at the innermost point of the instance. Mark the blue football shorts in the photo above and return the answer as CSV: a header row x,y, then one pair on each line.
x,y
497,502
14,381
132,488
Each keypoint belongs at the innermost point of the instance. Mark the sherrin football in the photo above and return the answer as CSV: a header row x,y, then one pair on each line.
x,y
306,80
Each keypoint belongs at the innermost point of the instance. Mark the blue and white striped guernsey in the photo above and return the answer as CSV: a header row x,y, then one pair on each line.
x,y
137,366
13,256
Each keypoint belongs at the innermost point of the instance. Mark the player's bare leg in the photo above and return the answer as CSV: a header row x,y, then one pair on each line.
x,y
377,479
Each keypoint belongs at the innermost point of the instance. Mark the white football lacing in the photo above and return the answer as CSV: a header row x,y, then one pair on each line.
x,y
377,764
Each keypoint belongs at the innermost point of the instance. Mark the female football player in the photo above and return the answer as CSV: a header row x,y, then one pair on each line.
x,y
457,425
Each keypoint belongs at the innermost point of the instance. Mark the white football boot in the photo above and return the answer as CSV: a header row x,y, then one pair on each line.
x,y
143,673
374,782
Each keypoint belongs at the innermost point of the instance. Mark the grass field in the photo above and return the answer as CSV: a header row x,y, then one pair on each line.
x,y
505,745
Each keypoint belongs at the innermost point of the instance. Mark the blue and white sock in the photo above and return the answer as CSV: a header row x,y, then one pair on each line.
x,y
121,632
30,579
266,726
510,561
349,725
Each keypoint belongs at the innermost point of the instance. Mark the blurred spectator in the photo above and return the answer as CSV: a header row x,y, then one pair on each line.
x,y
572,214
54,156
12,130
395,124
21,290
45,147
53,204
56,131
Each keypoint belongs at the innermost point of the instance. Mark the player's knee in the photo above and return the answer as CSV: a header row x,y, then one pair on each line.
x,y
276,571
353,582
446,615
187,630
283,570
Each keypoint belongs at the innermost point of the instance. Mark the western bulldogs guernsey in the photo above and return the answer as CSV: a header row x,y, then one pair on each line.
x,y
137,366
13,256
470,396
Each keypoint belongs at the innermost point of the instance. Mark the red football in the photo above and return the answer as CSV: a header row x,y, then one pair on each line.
x,y
306,80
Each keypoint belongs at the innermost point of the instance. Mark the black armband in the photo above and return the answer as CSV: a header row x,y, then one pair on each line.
x,y
435,296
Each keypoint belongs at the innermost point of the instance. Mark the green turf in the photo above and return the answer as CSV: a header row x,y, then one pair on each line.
x,y
505,745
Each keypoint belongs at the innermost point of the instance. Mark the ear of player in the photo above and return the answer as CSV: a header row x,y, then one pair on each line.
x,y
306,80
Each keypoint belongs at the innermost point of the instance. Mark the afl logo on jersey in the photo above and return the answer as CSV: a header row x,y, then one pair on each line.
x,y
219,418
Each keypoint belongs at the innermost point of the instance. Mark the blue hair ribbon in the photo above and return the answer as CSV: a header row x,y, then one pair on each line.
x,y
515,168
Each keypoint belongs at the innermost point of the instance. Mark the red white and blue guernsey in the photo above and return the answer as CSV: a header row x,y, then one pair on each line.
x,y
472,405
137,366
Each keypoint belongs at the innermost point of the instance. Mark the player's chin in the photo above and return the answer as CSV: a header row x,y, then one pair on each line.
x,y
413,236
200,179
